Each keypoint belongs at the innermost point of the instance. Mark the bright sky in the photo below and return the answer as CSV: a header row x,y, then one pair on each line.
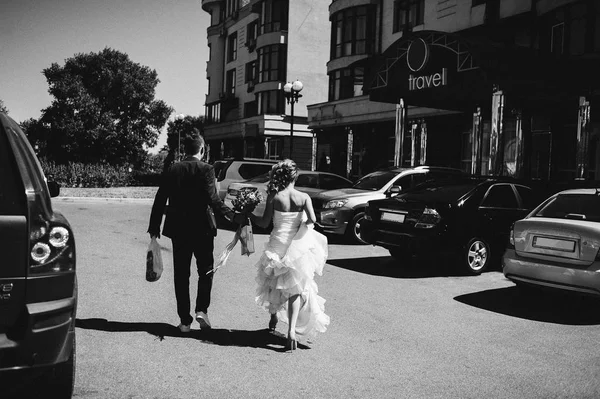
x,y
166,35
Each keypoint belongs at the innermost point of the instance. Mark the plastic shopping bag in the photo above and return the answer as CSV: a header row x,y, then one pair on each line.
x,y
247,239
154,264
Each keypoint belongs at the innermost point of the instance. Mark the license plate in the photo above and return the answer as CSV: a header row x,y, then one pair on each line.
x,y
553,243
392,217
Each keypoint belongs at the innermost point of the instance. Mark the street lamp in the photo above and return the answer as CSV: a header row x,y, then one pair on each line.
x,y
179,117
291,91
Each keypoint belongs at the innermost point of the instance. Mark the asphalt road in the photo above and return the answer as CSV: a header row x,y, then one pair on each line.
x,y
396,332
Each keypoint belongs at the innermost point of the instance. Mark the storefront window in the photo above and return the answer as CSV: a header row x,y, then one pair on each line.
x,y
271,63
346,83
274,16
271,102
353,32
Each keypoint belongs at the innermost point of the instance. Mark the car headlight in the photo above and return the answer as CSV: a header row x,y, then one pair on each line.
x,y
335,204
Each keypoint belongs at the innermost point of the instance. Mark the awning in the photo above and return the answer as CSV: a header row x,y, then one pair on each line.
x,y
449,71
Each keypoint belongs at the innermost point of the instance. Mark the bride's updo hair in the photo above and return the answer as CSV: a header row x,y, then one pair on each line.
x,y
281,175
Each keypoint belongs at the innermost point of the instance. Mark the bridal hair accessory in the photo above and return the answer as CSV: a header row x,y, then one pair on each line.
x,y
281,175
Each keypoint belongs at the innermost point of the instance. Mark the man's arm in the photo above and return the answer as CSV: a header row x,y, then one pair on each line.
x,y
216,204
158,207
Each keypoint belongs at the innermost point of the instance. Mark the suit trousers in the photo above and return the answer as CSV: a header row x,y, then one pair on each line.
x,y
183,248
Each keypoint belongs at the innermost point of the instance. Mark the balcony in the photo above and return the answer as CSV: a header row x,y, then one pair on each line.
x,y
207,5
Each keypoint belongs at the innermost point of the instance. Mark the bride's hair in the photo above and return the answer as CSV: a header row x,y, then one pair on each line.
x,y
281,175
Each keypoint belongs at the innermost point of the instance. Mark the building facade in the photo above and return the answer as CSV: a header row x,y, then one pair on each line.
x,y
255,47
494,87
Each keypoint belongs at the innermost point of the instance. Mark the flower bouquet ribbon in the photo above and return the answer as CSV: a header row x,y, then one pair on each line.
x,y
245,202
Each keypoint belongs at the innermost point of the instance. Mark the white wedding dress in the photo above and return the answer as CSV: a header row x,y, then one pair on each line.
x,y
294,253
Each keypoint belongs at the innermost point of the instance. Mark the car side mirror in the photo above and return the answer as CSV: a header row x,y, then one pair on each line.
x,y
54,188
394,190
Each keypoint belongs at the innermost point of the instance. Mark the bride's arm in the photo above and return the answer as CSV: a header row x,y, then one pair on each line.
x,y
310,212
264,220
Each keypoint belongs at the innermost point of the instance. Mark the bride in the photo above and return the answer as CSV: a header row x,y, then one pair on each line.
x,y
294,253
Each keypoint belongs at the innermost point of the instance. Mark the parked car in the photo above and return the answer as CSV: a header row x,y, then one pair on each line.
x,y
237,170
38,285
469,218
341,211
557,244
309,182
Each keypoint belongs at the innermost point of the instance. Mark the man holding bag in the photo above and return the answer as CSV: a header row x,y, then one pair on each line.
x,y
189,186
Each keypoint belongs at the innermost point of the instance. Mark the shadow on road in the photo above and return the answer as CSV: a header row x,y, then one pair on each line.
x,y
536,305
243,338
387,266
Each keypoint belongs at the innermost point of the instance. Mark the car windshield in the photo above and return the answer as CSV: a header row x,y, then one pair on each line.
x,y
375,181
260,178
572,206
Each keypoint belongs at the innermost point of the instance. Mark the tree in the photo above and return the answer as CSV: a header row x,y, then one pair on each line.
x,y
103,110
180,128
3,107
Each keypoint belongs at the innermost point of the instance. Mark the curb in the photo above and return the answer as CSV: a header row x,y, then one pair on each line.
x,y
101,199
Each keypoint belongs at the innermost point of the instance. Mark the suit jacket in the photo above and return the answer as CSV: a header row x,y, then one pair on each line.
x,y
189,186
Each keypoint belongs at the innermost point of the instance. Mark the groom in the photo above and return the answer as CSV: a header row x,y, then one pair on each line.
x,y
189,186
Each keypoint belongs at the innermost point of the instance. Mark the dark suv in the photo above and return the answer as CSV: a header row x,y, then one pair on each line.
x,y
38,286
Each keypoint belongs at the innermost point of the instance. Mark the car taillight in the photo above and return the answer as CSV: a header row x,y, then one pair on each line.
x,y
511,238
52,249
430,218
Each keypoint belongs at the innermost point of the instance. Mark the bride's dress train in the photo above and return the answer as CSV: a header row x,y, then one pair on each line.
x,y
294,253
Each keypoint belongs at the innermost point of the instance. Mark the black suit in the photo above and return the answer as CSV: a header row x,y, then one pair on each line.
x,y
189,186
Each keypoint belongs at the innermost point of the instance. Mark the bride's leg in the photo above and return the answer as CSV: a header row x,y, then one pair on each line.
x,y
293,310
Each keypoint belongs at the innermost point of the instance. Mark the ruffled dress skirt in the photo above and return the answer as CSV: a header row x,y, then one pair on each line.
x,y
287,267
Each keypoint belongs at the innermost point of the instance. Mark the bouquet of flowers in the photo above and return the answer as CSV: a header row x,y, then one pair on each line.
x,y
245,202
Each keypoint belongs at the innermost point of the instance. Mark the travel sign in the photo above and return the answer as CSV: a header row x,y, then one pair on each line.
x,y
417,58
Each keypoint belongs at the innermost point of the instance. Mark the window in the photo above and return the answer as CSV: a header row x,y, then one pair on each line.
x,y
230,82
271,102
274,148
250,170
408,14
353,32
212,113
274,16
576,206
307,180
209,51
557,39
577,31
346,83
232,7
500,196
250,109
527,197
271,63
252,31
250,72
208,86
331,182
232,47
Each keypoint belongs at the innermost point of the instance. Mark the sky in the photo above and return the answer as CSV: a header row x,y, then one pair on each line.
x,y
166,35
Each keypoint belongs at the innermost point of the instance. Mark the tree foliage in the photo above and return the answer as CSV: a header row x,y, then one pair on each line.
x,y
103,110
3,107
180,128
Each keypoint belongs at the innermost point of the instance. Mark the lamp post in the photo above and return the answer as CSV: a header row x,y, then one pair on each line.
x,y
179,117
291,91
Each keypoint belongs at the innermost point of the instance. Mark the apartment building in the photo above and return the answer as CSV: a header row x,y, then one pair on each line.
x,y
502,87
255,48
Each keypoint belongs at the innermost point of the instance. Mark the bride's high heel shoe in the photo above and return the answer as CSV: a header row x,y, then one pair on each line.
x,y
292,344
273,322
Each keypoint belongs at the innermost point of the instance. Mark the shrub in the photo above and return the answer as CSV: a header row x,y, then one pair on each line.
x,y
76,174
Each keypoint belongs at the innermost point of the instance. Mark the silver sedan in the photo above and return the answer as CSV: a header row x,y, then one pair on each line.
x,y
557,244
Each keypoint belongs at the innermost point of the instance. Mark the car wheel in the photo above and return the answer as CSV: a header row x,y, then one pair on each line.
x,y
476,256
61,378
353,229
